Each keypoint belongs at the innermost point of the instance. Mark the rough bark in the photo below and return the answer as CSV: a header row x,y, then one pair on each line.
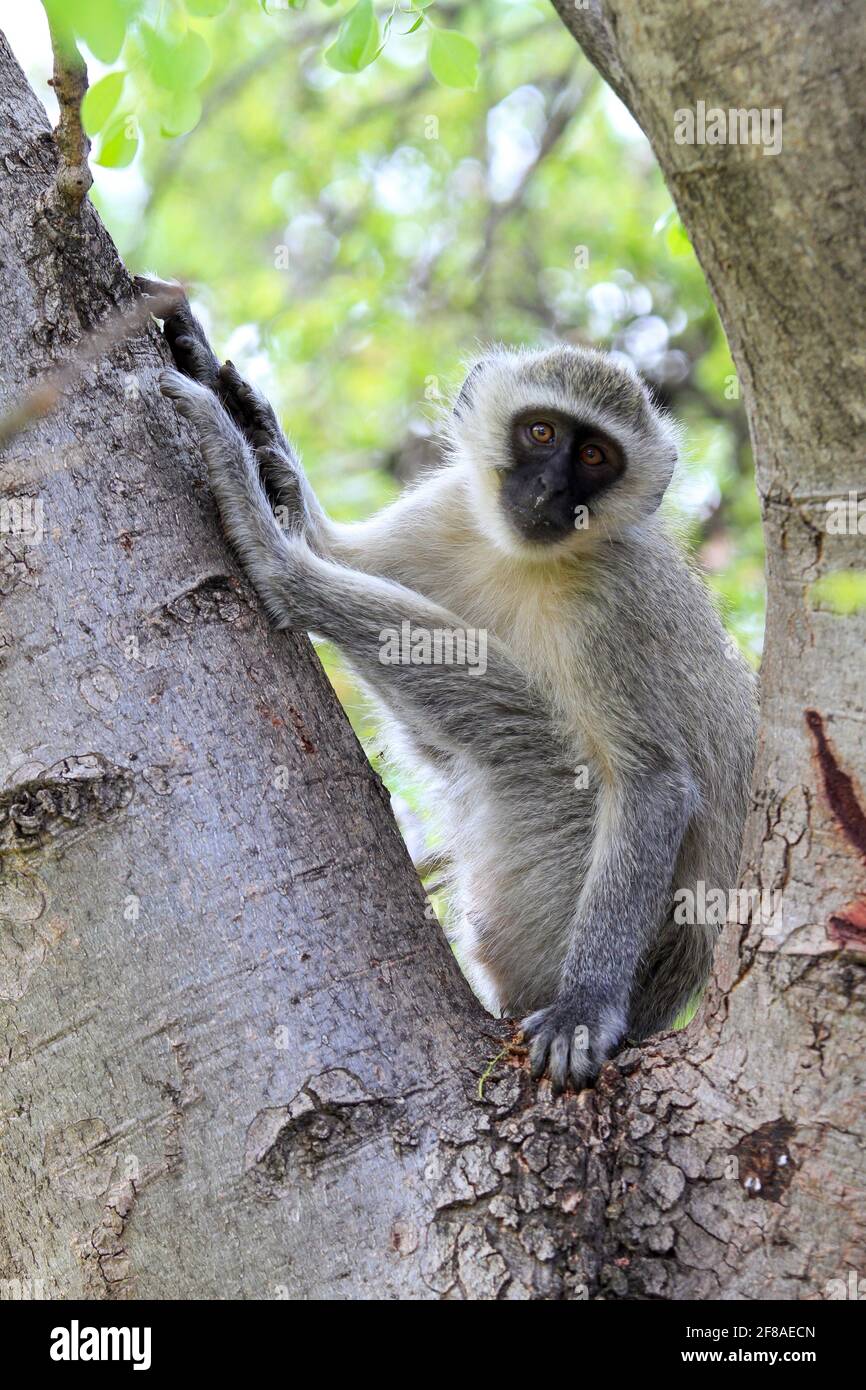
x,y
223,1007
160,1136
775,1072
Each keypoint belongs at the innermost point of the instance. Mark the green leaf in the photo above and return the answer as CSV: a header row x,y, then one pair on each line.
x,y
205,9
453,59
102,26
357,41
176,64
180,114
677,239
100,100
119,143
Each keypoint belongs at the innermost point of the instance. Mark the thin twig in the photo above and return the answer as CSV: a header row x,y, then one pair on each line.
x,y
70,84
119,326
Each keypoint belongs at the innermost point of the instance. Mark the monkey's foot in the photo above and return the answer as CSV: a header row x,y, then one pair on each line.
x,y
247,519
185,336
570,1039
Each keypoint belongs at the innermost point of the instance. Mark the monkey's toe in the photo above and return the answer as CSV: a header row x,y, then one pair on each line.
x,y
233,383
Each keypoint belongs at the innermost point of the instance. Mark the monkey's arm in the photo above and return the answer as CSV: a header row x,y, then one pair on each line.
x,y
642,820
451,707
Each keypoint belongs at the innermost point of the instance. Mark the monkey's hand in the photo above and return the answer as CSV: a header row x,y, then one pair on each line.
x,y
571,1038
249,412
190,348
623,900
195,358
244,507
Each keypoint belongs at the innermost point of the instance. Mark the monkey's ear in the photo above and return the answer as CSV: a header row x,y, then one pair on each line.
x,y
464,399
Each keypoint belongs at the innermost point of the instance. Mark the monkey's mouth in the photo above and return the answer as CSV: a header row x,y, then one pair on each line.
x,y
545,527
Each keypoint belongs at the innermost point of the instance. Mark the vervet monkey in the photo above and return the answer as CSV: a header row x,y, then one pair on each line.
x,y
602,759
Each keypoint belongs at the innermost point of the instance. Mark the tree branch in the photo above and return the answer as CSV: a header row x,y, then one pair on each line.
x,y
70,84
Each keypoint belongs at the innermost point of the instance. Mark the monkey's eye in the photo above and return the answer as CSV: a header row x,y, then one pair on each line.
x,y
541,432
592,455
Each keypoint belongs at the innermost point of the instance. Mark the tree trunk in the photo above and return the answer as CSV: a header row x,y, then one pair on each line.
x,y
750,1127
225,1013
238,1058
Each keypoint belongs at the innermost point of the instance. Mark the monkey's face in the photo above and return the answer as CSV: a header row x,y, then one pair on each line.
x,y
558,466
559,446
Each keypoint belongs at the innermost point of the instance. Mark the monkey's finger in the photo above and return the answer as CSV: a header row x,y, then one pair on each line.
x,y
533,1022
190,347
251,410
178,318
581,1067
239,397
193,358
538,1056
159,289
232,379
557,1065
181,324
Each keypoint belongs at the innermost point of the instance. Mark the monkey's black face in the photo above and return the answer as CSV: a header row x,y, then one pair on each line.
x,y
559,466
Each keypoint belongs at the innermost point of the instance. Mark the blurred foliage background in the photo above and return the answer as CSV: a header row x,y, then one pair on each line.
x,y
350,236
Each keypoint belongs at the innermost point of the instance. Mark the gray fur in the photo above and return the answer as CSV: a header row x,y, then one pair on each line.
x,y
604,653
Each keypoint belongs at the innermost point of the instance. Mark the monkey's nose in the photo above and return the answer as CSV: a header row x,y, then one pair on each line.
x,y
550,485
